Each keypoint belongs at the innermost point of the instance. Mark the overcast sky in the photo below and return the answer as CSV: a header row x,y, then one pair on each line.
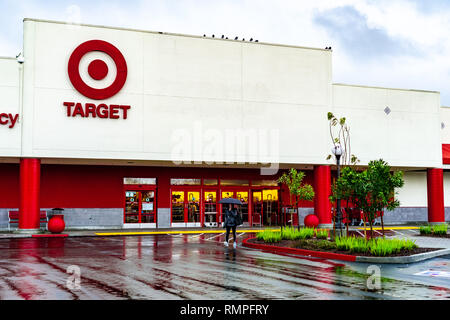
x,y
388,43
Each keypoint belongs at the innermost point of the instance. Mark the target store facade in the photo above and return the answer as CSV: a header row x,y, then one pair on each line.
x,y
136,129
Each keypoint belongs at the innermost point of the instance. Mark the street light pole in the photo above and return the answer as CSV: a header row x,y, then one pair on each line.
x,y
337,151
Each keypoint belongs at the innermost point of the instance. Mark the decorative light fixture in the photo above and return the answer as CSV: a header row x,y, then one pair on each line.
x,y
337,151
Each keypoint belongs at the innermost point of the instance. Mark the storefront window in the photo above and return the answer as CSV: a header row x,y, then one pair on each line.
x,y
185,182
210,182
271,183
139,180
270,195
226,182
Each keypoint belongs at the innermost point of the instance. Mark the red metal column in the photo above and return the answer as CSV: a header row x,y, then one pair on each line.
x,y
30,175
322,205
435,192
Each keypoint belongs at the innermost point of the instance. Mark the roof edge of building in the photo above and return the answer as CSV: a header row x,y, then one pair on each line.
x,y
383,88
174,34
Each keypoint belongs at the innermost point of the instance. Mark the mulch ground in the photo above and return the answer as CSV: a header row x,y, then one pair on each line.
x,y
313,244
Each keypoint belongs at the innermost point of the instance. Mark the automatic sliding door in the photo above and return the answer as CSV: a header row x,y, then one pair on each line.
x,y
243,197
270,207
140,209
257,205
185,208
225,194
193,209
211,216
131,207
177,207
148,215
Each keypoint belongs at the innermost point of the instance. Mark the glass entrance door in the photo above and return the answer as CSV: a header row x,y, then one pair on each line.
x,y
140,209
193,209
148,212
270,207
243,210
131,207
185,208
210,210
177,207
257,208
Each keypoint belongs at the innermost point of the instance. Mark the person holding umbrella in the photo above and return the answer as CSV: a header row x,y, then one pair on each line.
x,y
232,219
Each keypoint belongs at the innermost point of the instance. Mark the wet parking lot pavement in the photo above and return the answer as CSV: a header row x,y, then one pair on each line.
x,y
197,266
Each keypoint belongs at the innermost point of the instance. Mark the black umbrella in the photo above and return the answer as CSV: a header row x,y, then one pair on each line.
x,y
230,201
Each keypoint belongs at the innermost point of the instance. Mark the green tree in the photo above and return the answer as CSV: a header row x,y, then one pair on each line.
x,y
299,190
371,190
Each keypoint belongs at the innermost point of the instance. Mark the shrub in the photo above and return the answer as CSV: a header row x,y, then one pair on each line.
x,y
425,230
440,229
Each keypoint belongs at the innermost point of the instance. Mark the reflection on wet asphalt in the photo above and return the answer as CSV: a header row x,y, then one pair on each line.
x,y
193,267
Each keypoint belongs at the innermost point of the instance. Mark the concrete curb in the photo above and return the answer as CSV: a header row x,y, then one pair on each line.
x,y
345,257
404,259
302,252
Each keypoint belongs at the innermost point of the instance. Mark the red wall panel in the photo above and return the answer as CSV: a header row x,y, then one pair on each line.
x,y
9,185
81,186
77,186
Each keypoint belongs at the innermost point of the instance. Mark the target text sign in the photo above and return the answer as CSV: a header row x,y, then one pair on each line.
x,y
97,70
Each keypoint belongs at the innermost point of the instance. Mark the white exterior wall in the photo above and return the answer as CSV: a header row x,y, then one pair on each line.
x,y
409,136
414,191
176,83
10,138
445,119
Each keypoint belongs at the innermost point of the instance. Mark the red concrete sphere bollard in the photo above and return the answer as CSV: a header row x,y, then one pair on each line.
x,y
56,223
311,221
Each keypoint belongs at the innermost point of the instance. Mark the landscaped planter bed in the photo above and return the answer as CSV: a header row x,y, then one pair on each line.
x,y
313,245
311,242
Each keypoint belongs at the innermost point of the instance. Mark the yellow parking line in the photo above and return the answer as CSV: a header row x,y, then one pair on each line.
x,y
390,228
171,232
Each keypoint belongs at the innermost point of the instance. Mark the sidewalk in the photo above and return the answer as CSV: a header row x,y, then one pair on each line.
x,y
409,232
124,232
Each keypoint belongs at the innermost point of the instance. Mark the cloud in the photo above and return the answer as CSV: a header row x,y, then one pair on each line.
x,y
349,27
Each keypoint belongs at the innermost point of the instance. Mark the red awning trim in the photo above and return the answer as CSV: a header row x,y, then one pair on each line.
x,y
446,153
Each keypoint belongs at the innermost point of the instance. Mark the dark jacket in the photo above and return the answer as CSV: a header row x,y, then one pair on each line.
x,y
231,218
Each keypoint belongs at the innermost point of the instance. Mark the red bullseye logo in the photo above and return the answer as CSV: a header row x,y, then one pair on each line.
x,y
97,69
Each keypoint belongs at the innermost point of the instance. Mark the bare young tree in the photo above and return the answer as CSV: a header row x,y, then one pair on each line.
x,y
341,139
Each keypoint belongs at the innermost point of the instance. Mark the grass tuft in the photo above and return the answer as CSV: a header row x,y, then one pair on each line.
x,y
425,230
269,236
440,229
376,247
321,233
